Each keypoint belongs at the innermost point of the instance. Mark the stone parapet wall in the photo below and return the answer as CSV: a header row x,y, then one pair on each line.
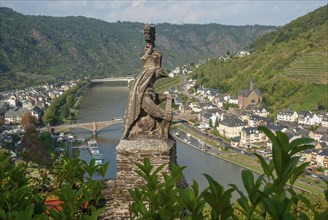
x,y
130,152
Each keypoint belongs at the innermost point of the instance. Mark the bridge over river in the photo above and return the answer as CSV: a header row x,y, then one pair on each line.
x,y
91,126
96,126
112,79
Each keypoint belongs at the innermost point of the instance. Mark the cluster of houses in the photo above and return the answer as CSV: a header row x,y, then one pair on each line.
x,y
240,124
14,104
186,69
35,100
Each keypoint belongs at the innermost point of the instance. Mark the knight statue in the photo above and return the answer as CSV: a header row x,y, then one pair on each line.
x,y
143,116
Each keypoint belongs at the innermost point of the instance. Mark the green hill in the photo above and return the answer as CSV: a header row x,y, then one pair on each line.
x,y
40,47
289,65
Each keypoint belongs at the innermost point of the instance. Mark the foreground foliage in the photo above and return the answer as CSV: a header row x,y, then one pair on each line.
x,y
270,196
24,189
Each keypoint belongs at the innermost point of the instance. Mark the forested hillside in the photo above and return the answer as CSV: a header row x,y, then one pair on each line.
x,y
289,65
41,47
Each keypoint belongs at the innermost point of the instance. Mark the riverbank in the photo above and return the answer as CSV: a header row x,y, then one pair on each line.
x,y
241,160
75,109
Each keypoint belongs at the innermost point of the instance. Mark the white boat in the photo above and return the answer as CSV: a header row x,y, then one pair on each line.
x,y
98,159
188,135
93,147
177,134
95,153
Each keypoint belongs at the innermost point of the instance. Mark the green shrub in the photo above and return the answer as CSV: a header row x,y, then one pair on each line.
x,y
270,196
24,189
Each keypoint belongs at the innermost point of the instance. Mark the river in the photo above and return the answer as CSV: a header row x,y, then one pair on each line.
x,y
104,101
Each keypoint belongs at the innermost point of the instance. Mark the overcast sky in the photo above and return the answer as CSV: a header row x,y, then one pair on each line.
x,y
275,12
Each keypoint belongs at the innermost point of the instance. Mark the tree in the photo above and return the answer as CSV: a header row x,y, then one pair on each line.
x,y
49,116
70,100
28,118
32,147
210,122
64,111
216,122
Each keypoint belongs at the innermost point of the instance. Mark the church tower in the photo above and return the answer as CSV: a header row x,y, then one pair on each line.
x,y
251,85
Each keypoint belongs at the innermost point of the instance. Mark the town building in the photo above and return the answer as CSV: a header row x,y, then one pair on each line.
x,y
287,115
306,118
14,116
251,97
230,127
250,136
185,109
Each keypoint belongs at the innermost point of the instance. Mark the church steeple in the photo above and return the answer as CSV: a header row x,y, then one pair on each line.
x,y
251,85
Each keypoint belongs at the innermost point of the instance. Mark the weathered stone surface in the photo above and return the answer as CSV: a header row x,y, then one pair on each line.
x,y
143,146
144,118
130,152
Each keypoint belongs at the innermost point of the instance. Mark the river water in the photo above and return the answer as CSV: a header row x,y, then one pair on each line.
x,y
104,101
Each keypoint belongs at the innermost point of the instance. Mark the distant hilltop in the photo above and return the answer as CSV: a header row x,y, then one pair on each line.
x,y
288,65
43,47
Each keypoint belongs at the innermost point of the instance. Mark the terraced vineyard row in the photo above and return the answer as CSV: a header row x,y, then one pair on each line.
x,y
312,68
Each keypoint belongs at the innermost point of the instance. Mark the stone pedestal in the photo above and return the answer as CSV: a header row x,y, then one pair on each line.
x,y
130,152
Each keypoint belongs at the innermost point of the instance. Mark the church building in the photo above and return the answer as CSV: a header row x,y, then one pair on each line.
x,y
249,98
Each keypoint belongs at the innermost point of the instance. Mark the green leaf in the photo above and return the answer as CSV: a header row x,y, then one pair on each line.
x,y
288,171
94,213
297,172
195,187
264,165
224,201
303,216
276,148
298,142
26,214
243,202
146,167
326,191
283,140
306,202
214,186
301,148
248,180
322,216
209,198
268,133
270,207
159,168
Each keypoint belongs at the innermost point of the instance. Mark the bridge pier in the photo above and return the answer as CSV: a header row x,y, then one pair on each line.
x,y
94,132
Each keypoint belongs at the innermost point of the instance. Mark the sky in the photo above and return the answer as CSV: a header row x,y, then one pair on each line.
x,y
232,12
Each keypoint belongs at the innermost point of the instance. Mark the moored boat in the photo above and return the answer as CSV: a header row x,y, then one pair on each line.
x,y
94,151
93,147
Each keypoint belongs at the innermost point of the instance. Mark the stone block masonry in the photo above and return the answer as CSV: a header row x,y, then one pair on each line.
x,y
130,152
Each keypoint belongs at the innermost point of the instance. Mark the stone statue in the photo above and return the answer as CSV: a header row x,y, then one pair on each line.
x,y
143,116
